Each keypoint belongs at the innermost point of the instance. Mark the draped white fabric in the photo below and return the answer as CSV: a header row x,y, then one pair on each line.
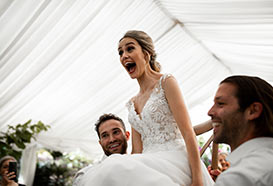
x,y
59,61
28,164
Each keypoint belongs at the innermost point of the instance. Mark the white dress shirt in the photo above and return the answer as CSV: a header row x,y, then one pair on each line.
x,y
251,164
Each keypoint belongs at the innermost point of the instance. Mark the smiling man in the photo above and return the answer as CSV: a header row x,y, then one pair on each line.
x,y
113,139
242,117
112,134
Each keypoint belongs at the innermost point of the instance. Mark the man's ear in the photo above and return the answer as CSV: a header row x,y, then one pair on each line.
x,y
254,110
99,142
127,134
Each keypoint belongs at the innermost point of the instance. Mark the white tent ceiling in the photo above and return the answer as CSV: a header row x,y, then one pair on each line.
x,y
59,61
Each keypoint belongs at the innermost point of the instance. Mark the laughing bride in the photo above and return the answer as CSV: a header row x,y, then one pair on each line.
x,y
164,146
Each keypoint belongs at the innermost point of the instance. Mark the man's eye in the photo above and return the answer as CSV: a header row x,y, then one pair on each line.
x,y
116,132
104,136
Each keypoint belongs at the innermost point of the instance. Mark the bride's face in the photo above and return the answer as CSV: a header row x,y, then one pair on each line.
x,y
132,57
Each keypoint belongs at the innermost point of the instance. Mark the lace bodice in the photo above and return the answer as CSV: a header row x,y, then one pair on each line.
x,y
156,124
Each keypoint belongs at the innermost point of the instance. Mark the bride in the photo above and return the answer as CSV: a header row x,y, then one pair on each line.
x,y
164,146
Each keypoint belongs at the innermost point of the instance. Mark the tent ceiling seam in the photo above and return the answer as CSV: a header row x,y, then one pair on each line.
x,y
25,28
164,33
6,8
181,24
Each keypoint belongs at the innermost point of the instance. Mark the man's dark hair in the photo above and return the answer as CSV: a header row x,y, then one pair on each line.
x,y
254,89
106,117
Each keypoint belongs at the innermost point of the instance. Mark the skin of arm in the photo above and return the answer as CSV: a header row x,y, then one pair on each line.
x,y
180,113
136,142
202,127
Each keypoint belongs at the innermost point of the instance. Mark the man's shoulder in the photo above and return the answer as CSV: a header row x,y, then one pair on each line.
x,y
86,169
83,170
261,157
249,169
78,176
256,163
256,148
233,177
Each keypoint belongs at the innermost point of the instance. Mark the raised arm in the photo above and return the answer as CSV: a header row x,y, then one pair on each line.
x,y
180,113
136,142
202,127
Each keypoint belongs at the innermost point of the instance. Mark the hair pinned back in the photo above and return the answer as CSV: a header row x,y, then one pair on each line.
x,y
147,45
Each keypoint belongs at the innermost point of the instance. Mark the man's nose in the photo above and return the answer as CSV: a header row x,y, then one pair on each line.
x,y
111,138
211,111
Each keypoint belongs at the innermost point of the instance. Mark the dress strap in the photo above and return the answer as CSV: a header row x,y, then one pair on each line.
x,y
162,78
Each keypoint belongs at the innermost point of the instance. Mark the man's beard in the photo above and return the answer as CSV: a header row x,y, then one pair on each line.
x,y
231,128
122,151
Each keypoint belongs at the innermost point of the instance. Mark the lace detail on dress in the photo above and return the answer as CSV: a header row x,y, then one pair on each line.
x,y
156,124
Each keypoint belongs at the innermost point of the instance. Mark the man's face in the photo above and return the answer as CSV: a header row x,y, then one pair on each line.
x,y
113,138
228,121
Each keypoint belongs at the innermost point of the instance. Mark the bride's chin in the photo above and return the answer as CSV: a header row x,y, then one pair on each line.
x,y
132,76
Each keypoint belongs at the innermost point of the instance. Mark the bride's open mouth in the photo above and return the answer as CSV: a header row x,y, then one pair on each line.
x,y
130,66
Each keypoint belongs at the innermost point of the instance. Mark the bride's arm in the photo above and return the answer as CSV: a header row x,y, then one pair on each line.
x,y
180,113
202,127
136,142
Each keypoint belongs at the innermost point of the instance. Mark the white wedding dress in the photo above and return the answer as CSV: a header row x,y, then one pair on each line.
x,y
164,160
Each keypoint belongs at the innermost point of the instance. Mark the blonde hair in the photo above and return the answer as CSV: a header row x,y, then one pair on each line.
x,y
146,43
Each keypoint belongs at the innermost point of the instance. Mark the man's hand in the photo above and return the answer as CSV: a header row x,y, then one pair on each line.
x,y
214,173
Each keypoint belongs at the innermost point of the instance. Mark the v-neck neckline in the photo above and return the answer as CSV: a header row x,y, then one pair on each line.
x,y
139,115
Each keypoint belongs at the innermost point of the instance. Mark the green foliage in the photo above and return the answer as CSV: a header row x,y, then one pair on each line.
x,y
59,169
15,139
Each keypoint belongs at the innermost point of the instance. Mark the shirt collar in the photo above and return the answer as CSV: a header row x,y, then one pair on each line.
x,y
248,147
103,157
